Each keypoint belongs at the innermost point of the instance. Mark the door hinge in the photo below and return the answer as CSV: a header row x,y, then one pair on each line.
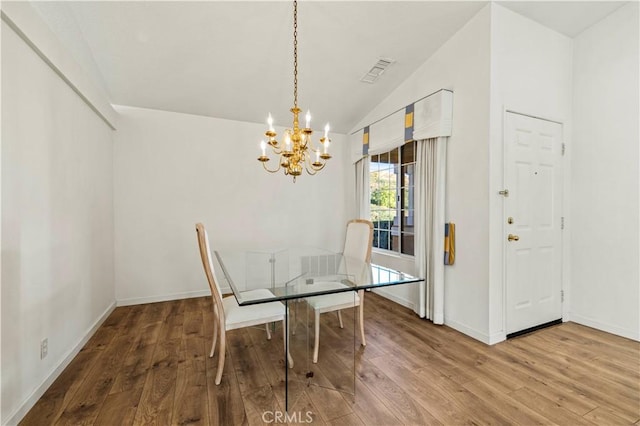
x,y
562,222
564,147
562,295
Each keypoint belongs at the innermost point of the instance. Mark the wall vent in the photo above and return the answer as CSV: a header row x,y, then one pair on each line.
x,y
376,70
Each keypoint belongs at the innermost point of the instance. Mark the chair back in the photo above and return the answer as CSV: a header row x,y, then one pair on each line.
x,y
207,264
359,239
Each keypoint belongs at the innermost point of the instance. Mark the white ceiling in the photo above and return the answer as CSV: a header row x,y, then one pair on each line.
x,y
234,59
567,17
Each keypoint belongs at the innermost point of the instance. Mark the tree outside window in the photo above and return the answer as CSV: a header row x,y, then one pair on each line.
x,y
391,183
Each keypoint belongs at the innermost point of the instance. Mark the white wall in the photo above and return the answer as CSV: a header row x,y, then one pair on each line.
x,y
531,73
57,223
604,260
462,65
173,170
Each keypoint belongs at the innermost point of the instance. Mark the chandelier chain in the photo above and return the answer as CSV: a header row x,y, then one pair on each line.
x,y
295,153
295,53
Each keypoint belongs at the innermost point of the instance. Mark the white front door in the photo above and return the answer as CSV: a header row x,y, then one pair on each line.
x,y
533,221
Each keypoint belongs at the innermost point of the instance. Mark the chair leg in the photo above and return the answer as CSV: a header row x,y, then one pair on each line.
x,y
361,309
223,350
316,342
285,337
340,319
266,327
215,332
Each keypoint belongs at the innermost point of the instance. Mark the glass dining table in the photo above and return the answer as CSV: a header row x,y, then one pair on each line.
x,y
299,278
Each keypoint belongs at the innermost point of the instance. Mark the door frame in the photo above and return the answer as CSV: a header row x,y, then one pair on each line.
x,y
564,238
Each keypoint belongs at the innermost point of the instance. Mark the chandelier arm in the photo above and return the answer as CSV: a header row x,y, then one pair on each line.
x,y
276,149
310,172
264,164
310,167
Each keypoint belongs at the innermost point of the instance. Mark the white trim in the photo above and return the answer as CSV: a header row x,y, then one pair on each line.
x,y
498,337
608,328
21,18
15,417
167,297
399,300
469,331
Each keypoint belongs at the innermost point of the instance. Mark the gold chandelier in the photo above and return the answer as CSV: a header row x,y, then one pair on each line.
x,y
296,151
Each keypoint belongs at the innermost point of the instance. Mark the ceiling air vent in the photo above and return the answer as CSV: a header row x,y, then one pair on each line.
x,y
376,71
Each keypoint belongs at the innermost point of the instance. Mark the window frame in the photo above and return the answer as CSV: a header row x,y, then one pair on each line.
x,y
404,196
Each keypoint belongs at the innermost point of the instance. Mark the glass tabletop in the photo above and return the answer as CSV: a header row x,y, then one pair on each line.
x,y
295,273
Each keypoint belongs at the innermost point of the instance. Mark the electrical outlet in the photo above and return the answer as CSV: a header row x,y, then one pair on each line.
x,y
44,348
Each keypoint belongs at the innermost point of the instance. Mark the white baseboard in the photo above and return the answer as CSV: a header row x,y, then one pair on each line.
x,y
469,331
609,328
15,417
167,297
498,337
399,300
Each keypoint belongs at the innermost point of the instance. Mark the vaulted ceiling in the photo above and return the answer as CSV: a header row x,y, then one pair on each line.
x,y
235,59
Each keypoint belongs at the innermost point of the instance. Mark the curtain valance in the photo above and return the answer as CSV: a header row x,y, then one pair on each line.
x,y
433,116
430,117
386,134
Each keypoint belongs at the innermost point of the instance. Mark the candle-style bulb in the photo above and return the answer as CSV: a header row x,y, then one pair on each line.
x,y
263,146
308,119
326,131
270,122
287,142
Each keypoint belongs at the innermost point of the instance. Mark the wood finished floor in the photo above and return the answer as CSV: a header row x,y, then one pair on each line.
x,y
149,364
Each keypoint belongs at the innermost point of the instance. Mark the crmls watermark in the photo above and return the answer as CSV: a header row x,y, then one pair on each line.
x,y
280,417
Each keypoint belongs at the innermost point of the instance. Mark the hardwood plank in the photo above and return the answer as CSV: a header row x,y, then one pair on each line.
x,y
425,392
156,401
625,400
271,351
137,364
518,413
51,405
548,408
137,361
369,408
172,324
604,416
85,406
393,396
226,405
149,364
329,403
258,402
245,361
555,389
348,420
119,408
190,401
567,356
473,406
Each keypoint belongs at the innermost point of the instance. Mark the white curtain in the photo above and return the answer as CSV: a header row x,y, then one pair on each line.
x,y
431,160
362,188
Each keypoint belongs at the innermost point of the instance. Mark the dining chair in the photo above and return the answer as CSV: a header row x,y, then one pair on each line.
x,y
228,315
357,245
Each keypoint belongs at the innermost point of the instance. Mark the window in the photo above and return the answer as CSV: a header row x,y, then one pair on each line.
x,y
391,188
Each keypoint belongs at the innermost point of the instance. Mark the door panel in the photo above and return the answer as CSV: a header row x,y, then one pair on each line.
x,y
533,176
